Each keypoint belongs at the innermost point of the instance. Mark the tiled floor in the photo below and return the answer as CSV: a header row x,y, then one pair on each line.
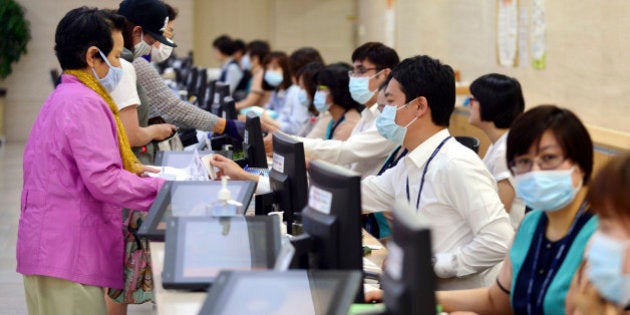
x,y
11,289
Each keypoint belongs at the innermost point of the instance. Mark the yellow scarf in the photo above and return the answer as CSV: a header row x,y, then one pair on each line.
x,y
130,162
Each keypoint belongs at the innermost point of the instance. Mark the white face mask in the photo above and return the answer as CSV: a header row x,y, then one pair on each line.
x,y
142,48
161,53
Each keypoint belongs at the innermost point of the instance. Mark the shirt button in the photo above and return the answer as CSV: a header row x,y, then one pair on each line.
x,y
548,246
541,271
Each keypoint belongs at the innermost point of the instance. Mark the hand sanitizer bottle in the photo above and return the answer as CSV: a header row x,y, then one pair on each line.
x,y
224,206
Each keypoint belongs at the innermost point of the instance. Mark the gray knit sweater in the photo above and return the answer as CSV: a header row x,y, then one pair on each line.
x,y
167,104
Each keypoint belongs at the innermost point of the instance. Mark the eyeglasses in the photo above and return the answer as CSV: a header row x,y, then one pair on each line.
x,y
360,71
546,162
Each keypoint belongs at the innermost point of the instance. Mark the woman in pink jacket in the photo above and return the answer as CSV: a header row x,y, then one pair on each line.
x,y
79,172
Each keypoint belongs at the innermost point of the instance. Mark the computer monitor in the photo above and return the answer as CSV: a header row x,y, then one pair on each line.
x,y
287,177
307,292
190,198
198,248
208,97
182,159
221,90
409,280
253,145
331,221
229,108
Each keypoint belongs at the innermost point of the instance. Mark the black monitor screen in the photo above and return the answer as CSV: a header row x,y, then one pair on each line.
x,y
288,159
198,248
221,90
409,281
253,145
229,108
190,198
282,293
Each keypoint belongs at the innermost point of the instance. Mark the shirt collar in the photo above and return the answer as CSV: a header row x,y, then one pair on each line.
x,y
421,154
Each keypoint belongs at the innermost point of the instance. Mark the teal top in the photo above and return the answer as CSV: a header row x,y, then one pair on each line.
x,y
523,251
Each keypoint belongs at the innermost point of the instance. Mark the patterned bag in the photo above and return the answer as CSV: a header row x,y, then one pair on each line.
x,y
138,274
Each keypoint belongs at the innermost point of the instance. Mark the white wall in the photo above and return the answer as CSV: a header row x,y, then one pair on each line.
x,y
588,59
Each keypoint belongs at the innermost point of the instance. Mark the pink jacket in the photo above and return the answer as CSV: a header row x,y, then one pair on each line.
x,y
74,189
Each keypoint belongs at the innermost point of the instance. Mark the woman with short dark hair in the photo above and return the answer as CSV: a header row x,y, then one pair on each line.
x,y
79,172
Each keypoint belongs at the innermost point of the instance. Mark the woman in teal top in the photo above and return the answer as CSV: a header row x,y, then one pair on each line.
x,y
551,155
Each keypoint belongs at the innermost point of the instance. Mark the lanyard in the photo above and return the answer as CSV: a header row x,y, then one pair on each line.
x,y
554,264
424,172
392,160
332,125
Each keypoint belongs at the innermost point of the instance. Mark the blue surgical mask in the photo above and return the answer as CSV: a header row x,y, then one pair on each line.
x,y
606,259
319,100
303,98
245,63
113,76
387,127
360,89
547,190
273,78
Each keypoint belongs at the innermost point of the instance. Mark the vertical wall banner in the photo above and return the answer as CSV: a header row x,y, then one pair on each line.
x,y
523,35
539,34
507,32
390,24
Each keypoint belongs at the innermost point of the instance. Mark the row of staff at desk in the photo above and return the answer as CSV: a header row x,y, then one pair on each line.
x,y
326,246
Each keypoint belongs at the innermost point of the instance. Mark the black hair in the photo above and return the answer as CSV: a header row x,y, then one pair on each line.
x,y
335,77
82,28
172,12
380,55
302,57
224,44
239,45
572,136
283,62
428,77
500,98
258,48
308,73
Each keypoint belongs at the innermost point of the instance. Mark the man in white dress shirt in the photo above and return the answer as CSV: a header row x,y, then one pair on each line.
x,y
448,184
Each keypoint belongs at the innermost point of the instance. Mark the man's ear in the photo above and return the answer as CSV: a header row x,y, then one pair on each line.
x,y
422,106
90,56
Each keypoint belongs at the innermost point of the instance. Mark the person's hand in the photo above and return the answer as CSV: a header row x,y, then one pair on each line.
x,y
374,296
587,300
230,168
160,132
268,141
148,169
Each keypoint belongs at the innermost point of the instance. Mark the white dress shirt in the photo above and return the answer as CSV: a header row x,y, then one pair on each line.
x,y
471,231
497,165
364,152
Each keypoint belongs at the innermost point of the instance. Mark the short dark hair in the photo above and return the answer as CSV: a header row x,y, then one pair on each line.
x,y
428,77
171,11
258,48
302,57
500,98
82,28
335,77
283,61
239,45
608,191
224,44
308,74
380,55
572,136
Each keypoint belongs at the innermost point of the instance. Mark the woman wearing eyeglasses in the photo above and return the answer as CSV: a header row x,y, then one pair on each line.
x,y
551,155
